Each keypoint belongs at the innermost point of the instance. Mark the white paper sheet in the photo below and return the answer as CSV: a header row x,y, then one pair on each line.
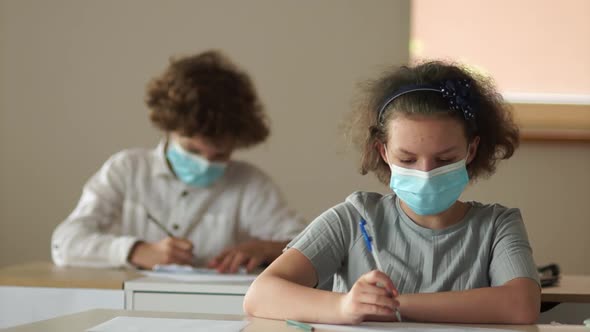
x,y
144,324
188,273
391,327
187,269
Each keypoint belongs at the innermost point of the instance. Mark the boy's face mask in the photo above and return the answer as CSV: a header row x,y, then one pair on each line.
x,y
432,192
191,168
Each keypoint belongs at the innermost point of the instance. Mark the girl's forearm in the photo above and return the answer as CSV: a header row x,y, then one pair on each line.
x,y
274,297
500,305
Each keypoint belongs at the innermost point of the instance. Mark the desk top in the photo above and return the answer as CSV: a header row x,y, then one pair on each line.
x,y
571,288
45,274
87,319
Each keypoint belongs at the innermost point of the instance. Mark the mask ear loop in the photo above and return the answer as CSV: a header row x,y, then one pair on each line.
x,y
387,155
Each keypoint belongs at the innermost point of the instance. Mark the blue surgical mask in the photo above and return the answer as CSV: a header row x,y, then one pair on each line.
x,y
193,169
432,192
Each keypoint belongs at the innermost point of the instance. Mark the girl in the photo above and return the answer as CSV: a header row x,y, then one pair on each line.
x,y
427,131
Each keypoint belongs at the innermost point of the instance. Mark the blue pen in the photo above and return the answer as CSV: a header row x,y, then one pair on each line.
x,y
369,242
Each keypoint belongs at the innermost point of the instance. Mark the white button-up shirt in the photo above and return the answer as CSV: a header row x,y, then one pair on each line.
x,y
112,213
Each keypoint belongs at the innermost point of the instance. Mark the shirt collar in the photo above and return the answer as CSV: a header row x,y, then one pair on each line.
x,y
160,163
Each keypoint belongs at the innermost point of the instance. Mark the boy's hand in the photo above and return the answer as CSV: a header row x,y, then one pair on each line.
x,y
167,251
250,254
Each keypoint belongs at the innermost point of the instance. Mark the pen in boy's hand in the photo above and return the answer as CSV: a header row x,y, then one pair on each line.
x,y
157,223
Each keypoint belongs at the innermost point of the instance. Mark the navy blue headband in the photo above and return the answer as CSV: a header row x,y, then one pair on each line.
x,y
456,92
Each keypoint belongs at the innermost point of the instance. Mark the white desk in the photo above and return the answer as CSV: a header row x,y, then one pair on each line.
x,y
85,320
46,291
153,294
159,294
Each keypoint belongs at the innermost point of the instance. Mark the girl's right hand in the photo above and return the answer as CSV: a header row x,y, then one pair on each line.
x,y
373,294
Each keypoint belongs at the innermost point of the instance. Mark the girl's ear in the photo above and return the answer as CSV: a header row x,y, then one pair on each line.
x,y
472,149
381,148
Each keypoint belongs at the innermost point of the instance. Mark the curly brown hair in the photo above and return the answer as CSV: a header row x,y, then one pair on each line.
x,y
207,95
498,133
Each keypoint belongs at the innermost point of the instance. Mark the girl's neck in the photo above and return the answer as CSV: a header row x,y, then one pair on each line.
x,y
447,218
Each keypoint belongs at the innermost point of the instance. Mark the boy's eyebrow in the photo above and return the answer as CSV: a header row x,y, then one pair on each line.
x,y
193,150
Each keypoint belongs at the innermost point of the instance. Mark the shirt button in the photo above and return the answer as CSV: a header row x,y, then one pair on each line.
x,y
184,193
175,227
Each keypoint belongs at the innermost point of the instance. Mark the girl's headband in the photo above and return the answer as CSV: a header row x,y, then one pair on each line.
x,y
456,92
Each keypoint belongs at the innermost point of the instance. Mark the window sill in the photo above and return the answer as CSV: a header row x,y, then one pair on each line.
x,y
553,122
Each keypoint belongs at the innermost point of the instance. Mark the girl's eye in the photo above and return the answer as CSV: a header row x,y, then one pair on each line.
x,y
407,161
445,161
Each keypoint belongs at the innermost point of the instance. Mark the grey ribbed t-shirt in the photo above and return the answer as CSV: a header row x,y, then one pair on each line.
x,y
487,248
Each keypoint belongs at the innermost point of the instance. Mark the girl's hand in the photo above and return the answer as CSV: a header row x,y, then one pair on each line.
x,y
372,295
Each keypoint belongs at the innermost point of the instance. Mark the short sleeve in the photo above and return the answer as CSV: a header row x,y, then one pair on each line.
x,y
511,252
326,241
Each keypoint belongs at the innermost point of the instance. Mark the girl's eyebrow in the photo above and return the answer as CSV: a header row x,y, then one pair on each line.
x,y
405,152
447,150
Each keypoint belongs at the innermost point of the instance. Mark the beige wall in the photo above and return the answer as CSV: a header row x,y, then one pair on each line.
x,y
550,183
71,88
73,75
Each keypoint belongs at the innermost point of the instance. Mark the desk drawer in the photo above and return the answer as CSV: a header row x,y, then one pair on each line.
x,y
183,302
